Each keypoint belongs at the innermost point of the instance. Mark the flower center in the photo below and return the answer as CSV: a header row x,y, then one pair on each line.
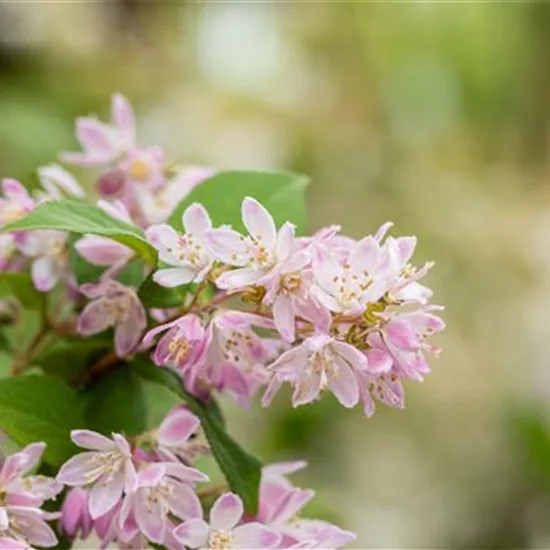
x,y
105,463
221,541
138,170
291,282
179,348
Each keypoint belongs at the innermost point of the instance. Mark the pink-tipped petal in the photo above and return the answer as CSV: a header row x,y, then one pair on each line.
x,y
104,496
196,220
177,427
124,118
259,222
255,535
226,512
174,276
88,439
193,533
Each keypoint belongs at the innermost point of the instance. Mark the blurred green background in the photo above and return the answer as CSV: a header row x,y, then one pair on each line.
x,y
433,115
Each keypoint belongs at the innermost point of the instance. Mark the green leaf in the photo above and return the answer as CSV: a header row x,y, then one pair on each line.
x,y
241,469
41,408
123,401
154,295
282,193
81,218
20,286
70,359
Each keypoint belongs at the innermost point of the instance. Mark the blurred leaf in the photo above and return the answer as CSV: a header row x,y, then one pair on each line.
x,y
282,193
79,217
69,359
41,408
241,469
132,274
156,296
123,401
21,286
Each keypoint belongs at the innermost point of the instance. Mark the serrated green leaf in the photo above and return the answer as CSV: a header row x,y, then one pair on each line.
x,y
20,286
153,295
81,218
41,408
282,193
242,470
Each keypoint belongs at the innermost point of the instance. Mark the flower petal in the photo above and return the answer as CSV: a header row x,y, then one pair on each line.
x,y
196,220
177,427
183,501
96,317
193,533
105,495
150,518
259,222
88,439
80,469
238,278
255,535
174,276
226,512
283,315
44,275
343,383
227,245
124,118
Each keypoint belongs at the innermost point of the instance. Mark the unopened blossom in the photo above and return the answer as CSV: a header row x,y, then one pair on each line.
x,y
256,254
175,439
163,491
113,305
319,362
16,202
223,531
186,254
236,356
21,498
58,183
75,516
182,346
103,143
107,466
48,250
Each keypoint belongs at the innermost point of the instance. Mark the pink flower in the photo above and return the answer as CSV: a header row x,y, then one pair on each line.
x,y
319,362
75,516
20,515
279,507
224,531
182,346
144,168
108,466
16,202
186,253
236,356
157,205
48,248
175,437
58,182
113,305
104,143
164,491
255,255
347,287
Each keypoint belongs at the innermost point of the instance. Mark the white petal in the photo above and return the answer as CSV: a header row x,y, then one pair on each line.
x,y
196,220
259,222
226,512
174,276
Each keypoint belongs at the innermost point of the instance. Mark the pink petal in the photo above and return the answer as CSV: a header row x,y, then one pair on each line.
x,y
102,251
379,361
151,475
177,427
44,275
272,388
292,502
128,334
34,528
296,262
402,334
365,255
184,502
193,533
149,338
33,452
382,230
166,240
124,118
284,468
352,355
259,222
82,159
227,246
226,512
130,477
104,496
150,517
184,473
196,220
174,276
285,241
238,278
343,383
406,246
94,136
256,535
95,317
14,190
78,469
53,177
73,509
283,315
307,388
92,440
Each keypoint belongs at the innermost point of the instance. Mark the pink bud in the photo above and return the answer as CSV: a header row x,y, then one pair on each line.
x,y
111,184
75,515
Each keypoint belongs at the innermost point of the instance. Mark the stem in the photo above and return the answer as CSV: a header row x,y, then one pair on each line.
x,y
22,362
213,491
107,362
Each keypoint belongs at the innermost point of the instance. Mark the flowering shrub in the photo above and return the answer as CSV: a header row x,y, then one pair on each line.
x,y
180,285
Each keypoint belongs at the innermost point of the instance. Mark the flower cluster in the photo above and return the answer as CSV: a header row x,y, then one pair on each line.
x,y
248,307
